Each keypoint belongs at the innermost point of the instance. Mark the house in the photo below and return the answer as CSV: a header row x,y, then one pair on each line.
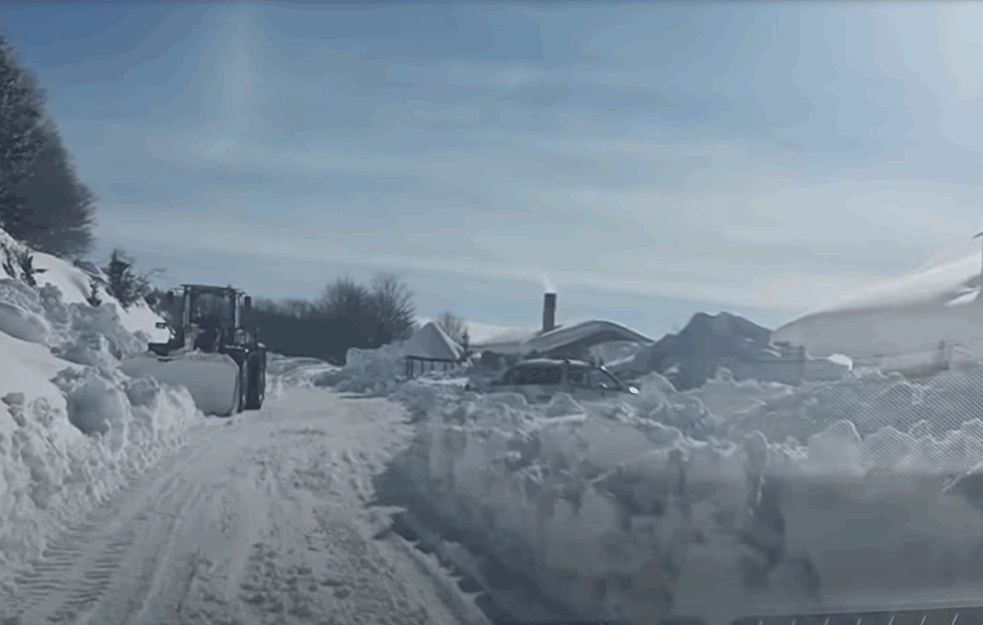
x,y
430,348
555,341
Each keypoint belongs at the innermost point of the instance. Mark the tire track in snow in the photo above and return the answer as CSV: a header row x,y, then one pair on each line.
x,y
144,562
76,570
259,521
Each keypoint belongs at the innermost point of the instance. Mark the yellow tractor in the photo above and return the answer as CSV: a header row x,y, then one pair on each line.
x,y
210,352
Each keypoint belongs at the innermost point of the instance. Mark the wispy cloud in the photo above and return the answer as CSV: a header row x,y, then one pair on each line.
x,y
762,155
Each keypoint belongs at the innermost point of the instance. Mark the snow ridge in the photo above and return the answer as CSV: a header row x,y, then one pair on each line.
x,y
723,499
73,429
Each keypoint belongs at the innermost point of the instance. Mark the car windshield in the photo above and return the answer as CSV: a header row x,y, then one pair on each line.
x,y
603,380
539,375
578,375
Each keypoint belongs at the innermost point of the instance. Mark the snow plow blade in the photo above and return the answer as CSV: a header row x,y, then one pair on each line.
x,y
212,379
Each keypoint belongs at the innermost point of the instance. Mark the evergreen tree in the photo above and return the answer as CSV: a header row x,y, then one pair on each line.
x,y
21,113
58,208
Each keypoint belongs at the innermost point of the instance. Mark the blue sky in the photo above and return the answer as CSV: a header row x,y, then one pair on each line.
x,y
651,161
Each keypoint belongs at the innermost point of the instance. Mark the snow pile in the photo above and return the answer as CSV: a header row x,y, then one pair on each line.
x,y
871,400
422,396
625,509
286,372
72,428
938,303
377,371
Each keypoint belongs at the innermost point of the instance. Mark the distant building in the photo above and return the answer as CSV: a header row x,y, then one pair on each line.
x,y
552,340
430,348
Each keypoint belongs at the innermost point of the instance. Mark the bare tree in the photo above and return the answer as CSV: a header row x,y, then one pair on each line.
x,y
265,305
453,326
345,298
393,306
298,308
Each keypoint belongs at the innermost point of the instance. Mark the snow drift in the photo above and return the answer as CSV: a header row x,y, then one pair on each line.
x,y
73,427
691,357
657,504
914,314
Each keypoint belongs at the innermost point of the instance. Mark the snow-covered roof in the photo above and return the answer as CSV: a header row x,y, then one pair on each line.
x,y
432,343
909,314
483,332
589,331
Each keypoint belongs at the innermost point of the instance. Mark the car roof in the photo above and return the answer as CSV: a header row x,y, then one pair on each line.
x,y
540,362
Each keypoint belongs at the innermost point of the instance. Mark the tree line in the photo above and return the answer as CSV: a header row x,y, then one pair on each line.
x,y
347,314
43,203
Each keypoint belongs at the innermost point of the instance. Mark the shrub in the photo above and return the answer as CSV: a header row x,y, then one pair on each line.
x,y
126,285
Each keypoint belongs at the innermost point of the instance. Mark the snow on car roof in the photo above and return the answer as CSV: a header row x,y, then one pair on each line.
x,y
550,361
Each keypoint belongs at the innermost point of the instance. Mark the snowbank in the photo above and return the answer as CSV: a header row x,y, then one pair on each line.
x,y
378,371
658,504
285,372
938,303
73,427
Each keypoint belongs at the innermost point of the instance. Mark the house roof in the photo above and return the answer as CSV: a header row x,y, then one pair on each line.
x,y
584,333
432,343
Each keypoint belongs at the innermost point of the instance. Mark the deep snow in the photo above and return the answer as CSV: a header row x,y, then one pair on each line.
x,y
74,428
121,503
669,500
908,316
726,498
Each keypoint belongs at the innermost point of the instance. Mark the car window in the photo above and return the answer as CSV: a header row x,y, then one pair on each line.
x,y
539,375
578,376
603,380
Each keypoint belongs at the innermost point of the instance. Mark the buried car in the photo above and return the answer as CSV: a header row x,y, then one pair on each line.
x,y
540,379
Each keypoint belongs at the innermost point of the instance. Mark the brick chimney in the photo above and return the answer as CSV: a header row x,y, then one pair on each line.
x,y
549,311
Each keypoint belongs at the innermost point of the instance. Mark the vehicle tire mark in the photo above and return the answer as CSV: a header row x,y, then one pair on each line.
x,y
78,567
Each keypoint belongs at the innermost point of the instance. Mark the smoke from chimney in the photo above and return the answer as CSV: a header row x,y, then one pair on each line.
x,y
549,311
547,284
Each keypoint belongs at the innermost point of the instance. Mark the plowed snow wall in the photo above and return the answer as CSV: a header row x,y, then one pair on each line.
x,y
619,516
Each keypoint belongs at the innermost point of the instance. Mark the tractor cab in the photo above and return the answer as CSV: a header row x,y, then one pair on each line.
x,y
210,351
211,317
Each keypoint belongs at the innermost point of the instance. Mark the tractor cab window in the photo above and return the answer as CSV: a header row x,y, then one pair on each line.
x,y
213,308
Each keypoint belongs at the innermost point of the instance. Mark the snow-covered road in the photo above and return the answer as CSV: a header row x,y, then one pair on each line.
x,y
259,519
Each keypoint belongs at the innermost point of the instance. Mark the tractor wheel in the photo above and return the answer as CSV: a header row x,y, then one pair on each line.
x,y
239,392
243,386
257,384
